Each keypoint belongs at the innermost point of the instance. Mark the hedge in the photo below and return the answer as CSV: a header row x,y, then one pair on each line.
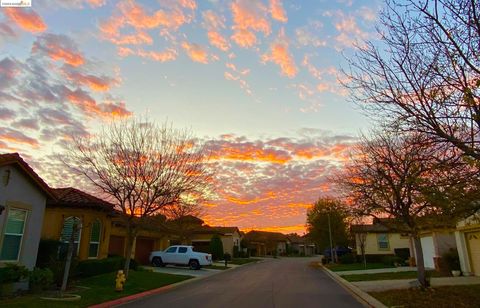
x,y
89,268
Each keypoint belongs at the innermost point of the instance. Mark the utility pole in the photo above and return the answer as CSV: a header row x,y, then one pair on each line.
x,y
330,235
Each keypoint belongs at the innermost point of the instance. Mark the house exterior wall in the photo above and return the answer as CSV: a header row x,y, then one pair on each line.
x,y
22,193
53,224
228,240
161,241
395,240
467,258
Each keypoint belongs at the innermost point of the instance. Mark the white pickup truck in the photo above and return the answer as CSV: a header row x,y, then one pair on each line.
x,y
180,255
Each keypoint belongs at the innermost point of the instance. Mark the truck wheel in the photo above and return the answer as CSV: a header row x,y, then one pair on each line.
x,y
193,264
157,261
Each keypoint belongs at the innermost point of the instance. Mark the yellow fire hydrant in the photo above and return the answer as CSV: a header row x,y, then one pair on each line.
x,y
120,281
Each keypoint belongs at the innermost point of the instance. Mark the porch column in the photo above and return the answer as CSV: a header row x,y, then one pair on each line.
x,y
463,253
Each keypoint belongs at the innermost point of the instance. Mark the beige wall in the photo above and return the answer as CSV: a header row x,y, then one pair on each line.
x,y
395,240
228,240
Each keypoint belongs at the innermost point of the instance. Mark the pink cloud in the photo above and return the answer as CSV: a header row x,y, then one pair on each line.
x,y
277,11
280,55
195,52
59,47
248,17
26,19
95,83
217,40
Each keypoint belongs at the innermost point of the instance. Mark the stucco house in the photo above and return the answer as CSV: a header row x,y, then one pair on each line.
x,y
230,237
91,215
262,243
380,238
435,243
301,245
467,236
23,197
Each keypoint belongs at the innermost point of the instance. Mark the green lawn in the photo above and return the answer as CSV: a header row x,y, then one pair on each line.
x,y
355,266
216,267
240,261
441,297
101,288
387,276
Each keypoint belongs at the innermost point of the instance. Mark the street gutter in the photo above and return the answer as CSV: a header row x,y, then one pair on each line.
x,y
363,297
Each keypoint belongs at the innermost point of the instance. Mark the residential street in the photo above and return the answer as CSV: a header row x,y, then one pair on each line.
x,y
287,282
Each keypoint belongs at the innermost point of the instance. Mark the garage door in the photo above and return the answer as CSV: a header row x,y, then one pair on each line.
x,y
143,249
473,240
428,251
116,245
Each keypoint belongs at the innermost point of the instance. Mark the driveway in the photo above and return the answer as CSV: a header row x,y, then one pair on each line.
x,y
287,282
179,270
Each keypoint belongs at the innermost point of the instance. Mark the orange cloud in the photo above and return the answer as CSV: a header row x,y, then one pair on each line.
x,y
15,136
135,15
161,56
277,11
99,84
96,3
195,52
26,19
217,40
280,55
59,47
300,229
248,15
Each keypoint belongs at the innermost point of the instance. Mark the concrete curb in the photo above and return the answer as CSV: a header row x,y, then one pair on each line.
x,y
134,297
363,297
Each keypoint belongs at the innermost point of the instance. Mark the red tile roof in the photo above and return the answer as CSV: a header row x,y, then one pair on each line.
x,y
72,197
16,159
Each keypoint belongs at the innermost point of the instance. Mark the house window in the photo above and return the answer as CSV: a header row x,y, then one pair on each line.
x,y
12,240
382,241
67,230
94,239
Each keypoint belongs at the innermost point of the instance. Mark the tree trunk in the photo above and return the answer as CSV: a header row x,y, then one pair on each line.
x,y
130,243
68,262
422,279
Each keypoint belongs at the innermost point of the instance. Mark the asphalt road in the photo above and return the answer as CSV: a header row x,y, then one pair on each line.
x,y
288,282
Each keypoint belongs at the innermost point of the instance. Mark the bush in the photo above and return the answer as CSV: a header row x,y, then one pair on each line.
x,y
12,273
216,247
89,268
133,264
47,252
376,258
403,253
391,260
40,279
227,257
348,258
452,260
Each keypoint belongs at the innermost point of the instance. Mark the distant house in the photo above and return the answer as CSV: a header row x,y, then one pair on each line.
x,y
262,243
467,236
230,237
301,245
92,217
380,238
23,196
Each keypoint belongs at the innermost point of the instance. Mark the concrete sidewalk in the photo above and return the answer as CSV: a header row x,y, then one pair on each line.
x,y
384,285
380,270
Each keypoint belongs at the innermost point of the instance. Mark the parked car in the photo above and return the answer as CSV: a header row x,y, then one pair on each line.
x,y
339,251
181,255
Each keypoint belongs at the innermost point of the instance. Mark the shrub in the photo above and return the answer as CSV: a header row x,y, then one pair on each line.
x,y
403,253
216,247
452,260
12,273
391,260
89,268
227,257
133,264
47,252
40,279
348,258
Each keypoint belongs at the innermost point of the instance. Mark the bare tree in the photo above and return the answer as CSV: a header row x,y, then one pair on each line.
x,y
407,178
142,167
425,70
183,217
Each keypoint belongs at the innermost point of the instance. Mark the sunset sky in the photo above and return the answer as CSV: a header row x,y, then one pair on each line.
x,y
256,80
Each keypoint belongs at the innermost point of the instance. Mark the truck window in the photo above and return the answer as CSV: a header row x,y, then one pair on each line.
x,y
171,250
182,249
